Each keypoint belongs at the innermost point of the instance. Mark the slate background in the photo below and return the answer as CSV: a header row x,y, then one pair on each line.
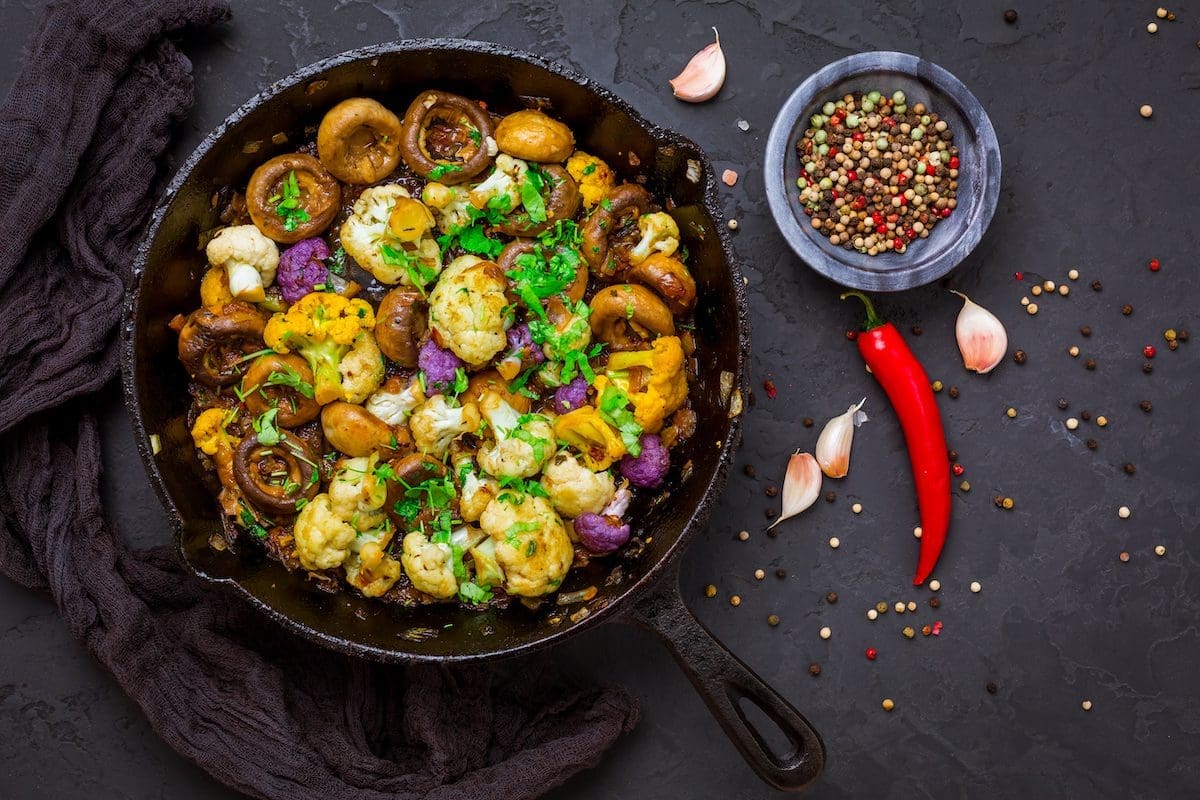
x,y
1087,183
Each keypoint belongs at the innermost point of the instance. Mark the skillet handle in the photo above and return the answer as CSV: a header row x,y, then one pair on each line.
x,y
722,681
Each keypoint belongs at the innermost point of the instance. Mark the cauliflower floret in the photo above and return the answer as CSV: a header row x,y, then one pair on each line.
x,y
660,234
467,309
522,442
575,489
532,546
209,433
322,537
665,390
595,178
451,204
393,253
368,567
435,424
570,334
361,369
429,566
214,288
474,496
324,328
393,402
501,189
249,259
356,494
586,431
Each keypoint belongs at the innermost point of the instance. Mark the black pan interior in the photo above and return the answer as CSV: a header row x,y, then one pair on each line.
x,y
171,264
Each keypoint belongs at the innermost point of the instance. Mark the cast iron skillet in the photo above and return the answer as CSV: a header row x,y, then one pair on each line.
x,y
641,588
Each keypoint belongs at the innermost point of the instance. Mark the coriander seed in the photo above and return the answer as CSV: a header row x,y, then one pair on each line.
x,y
710,591
888,704
826,632
976,588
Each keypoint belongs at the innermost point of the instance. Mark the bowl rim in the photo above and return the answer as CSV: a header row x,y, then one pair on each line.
x,y
622,602
777,186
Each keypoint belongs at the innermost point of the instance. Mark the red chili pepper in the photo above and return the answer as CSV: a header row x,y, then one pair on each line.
x,y
907,386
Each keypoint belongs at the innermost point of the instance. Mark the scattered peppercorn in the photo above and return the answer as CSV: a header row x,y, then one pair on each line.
x,y
769,387
872,654
1090,364
1149,352
998,501
1010,16
1007,503
926,630
1146,406
1182,335
831,598
991,687
936,386
1092,444
954,392
934,602
1127,309
1124,556
881,607
1129,468
1146,111
888,704
743,535
957,469
916,330
1172,346
771,490
1147,367
770,513
851,335
953,455
781,573
830,497
1062,403
826,632
1085,415
1085,331
1101,420
1019,356
1154,265
710,591
1097,286
772,620
735,601
908,632
808,422
1073,351
750,471
814,669
1169,334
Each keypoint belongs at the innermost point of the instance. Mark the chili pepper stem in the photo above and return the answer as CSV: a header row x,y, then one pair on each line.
x,y
873,320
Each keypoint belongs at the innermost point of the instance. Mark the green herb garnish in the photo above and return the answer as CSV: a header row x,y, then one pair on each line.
x,y
264,426
287,203
291,379
614,409
442,170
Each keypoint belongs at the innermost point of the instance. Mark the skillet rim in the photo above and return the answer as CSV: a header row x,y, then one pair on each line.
x,y
621,602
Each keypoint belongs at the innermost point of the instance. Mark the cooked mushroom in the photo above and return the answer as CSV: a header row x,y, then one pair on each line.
x,y
359,141
353,430
400,324
213,344
284,382
408,471
533,136
286,208
669,277
492,381
446,137
611,231
562,203
519,247
273,477
627,312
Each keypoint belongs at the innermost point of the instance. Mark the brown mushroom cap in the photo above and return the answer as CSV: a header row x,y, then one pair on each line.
x,y
359,141
625,312
320,197
213,343
400,324
669,277
625,203
295,407
492,381
562,203
353,430
257,468
410,470
532,136
437,135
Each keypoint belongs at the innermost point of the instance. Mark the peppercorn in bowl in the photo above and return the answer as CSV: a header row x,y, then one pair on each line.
x,y
882,171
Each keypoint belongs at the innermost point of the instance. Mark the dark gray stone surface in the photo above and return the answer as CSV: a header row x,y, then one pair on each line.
x,y
1087,183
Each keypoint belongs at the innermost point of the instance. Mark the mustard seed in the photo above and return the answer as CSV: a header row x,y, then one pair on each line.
x,y
1007,503
735,601
759,574
710,591
772,620
936,386
1169,334
965,486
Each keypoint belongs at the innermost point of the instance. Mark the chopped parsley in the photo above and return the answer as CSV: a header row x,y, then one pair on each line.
x,y
442,170
475,136
529,487
336,263
461,381
251,524
418,273
266,429
589,169
531,194
291,379
470,592
287,203
614,409
512,536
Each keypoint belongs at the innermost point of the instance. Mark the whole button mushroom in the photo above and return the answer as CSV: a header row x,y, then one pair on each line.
x,y
669,277
284,382
400,324
358,141
626,313
611,231
446,137
213,344
273,477
562,203
292,197
353,430
532,136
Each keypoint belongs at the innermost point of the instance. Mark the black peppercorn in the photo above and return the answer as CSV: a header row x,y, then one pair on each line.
x,y
831,598
830,497
1085,415
1097,286
814,669
1182,335
954,392
1010,16
1146,406
771,490
750,471
998,501
1147,367
808,422
1127,309
1019,356
992,688
1129,469
781,573
1092,444
771,513
934,602
1085,331
953,455
916,330
1062,403
1173,345
1089,364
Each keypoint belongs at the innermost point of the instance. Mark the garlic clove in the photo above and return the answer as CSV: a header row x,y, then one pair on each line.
x,y
981,337
245,283
801,485
833,445
703,76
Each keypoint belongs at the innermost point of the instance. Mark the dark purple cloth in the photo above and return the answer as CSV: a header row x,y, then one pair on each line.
x,y
83,134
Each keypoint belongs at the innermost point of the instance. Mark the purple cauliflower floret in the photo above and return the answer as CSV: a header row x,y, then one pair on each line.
x,y
439,367
571,396
301,267
650,467
521,343
601,534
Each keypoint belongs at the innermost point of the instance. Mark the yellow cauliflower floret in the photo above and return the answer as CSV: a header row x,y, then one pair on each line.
x,y
467,309
249,259
665,389
323,328
586,431
660,234
595,178
209,434
575,489
214,288
532,546
322,537
392,253
429,566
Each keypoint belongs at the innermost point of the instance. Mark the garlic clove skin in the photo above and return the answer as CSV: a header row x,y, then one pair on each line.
x,y
981,337
801,485
703,76
833,445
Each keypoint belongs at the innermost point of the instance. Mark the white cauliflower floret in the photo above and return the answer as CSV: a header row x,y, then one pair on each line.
x,y
394,404
392,255
575,489
563,336
429,566
356,494
368,567
249,259
436,423
322,537
474,496
504,182
522,442
361,368
532,546
659,234
467,309
451,204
